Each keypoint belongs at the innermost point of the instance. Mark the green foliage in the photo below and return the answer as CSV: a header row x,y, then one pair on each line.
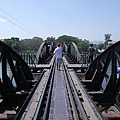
x,y
33,44
100,46
24,45
13,43
30,44
81,44
49,40
67,39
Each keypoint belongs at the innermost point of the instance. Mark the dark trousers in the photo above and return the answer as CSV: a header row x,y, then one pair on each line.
x,y
90,58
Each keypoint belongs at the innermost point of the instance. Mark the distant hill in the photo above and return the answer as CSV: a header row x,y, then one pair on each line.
x,y
97,42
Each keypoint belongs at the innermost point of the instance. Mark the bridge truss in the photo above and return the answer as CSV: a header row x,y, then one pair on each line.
x,y
26,89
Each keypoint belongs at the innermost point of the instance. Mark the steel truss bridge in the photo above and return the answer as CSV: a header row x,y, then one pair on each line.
x,y
35,90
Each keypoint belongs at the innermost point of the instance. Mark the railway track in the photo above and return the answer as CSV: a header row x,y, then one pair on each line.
x,y
40,106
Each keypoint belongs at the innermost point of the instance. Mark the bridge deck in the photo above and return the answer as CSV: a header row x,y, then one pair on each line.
x,y
60,109
85,66
39,66
79,66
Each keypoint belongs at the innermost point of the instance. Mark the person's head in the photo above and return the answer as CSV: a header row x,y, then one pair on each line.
x,y
91,45
58,44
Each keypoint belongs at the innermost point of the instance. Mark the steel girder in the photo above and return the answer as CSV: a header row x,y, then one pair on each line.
x,y
15,85
73,53
105,81
43,54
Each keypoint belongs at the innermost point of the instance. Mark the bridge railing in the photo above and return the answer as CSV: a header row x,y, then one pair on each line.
x,y
29,58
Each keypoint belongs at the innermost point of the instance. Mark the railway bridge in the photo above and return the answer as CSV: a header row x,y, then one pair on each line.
x,y
36,90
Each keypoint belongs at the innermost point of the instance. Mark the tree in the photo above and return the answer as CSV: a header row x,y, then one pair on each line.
x,y
49,40
67,39
13,42
30,44
83,45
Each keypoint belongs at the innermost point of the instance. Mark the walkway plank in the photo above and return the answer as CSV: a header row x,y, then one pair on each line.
x,y
60,109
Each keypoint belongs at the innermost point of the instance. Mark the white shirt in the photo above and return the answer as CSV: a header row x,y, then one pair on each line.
x,y
58,52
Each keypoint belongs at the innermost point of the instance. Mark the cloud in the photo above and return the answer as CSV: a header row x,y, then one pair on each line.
x,y
2,20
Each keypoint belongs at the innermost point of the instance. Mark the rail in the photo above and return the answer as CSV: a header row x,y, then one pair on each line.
x,y
39,108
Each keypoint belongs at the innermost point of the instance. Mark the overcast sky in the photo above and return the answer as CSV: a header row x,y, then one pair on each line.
x,y
84,19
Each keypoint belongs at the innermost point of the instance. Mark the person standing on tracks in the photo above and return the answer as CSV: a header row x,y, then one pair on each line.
x,y
58,54
91,53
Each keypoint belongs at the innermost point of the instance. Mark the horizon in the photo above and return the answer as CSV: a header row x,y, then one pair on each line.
x,y
91,41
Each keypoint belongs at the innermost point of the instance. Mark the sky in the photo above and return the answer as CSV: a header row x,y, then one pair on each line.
x,y
84,19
